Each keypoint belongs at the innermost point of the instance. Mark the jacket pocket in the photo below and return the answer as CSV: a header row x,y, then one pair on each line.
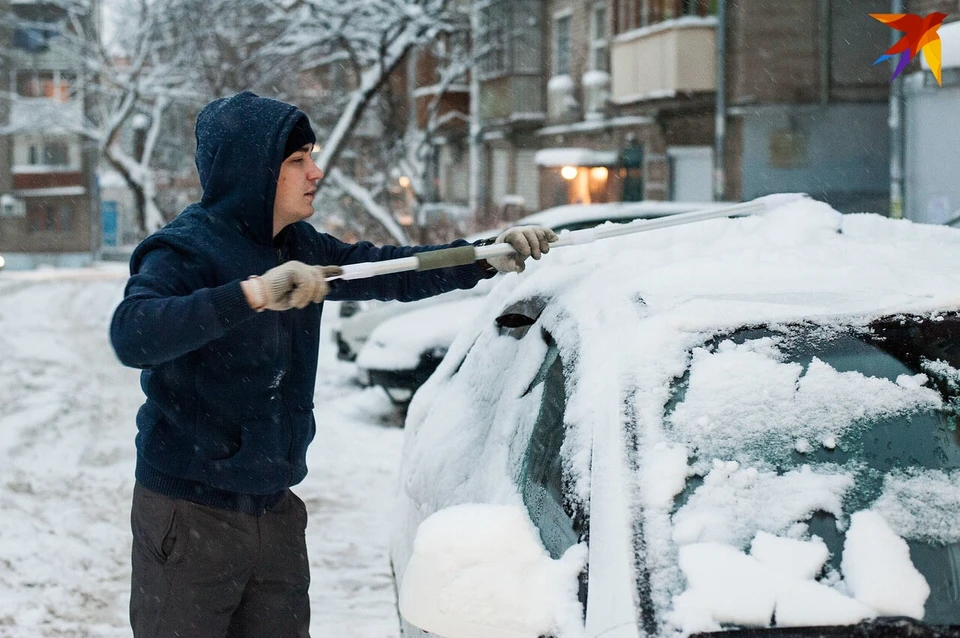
x,y
259,463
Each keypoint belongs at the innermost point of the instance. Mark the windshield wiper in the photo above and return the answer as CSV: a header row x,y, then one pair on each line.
x,y
879,628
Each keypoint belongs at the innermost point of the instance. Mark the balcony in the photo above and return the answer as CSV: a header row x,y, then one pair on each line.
x,y
512,98
42,114
664,60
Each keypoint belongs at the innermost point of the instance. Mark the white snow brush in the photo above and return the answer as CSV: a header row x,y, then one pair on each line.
x,y
463,255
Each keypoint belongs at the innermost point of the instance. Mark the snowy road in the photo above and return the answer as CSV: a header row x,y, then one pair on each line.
x,y
67,412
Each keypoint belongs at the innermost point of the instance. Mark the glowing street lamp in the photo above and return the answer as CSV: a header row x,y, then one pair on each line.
x,y
568,172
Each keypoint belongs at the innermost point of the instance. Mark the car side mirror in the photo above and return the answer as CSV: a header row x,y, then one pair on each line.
x,y
480,571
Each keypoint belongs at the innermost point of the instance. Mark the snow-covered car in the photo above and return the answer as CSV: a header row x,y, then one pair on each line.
x,y
401,354
742,425
389,357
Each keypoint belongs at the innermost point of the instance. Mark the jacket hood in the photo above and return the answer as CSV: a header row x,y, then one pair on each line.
x,y
240,146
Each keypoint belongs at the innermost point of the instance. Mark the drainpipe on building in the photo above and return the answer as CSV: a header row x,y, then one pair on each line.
x,y
476,152
896,128
720,115
825,36
89,152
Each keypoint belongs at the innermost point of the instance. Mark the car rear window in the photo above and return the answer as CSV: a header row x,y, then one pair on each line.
x,y
792,431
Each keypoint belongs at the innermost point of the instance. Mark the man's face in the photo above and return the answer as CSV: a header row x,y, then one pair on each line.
x,y
296,188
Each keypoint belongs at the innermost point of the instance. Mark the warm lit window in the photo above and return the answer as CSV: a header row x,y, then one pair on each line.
x,y
561,46
48,84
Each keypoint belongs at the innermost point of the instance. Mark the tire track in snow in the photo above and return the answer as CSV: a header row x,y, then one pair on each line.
x,y
67,411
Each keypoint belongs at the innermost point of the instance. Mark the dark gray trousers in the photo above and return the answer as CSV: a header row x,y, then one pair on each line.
x,y
201,572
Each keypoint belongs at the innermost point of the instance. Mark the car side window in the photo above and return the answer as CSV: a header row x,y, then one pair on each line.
x,y
541,471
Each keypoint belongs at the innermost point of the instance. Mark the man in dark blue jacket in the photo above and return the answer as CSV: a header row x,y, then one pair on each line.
x,y
222,314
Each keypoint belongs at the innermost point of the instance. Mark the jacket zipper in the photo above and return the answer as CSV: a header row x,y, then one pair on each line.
x,y
288,421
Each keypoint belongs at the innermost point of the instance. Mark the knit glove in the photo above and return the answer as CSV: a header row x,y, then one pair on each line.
x,y
293,284
528,241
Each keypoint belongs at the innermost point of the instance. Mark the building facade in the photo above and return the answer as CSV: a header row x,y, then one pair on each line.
x,y
49,212
931,113
608,100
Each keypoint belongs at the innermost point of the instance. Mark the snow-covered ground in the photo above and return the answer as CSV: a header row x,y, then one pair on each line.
x,y
67,411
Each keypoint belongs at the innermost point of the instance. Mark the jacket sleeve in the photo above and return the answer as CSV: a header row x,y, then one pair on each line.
x,y
165,313
406,286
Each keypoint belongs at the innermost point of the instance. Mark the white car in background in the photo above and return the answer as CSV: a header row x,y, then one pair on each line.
x,y
389,345
741,427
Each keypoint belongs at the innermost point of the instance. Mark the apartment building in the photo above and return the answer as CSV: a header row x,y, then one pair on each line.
x,y
609,100
48,200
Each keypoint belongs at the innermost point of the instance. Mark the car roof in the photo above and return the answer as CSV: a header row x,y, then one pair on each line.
x,y
562,216
575,216
800,260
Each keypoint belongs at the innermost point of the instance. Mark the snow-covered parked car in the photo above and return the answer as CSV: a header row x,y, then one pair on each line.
x,y
742,425
399,353
402,352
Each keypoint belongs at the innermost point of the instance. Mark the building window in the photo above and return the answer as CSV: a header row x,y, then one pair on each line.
x,y
509,38
56,154
701,8
660,10
599,52
633,14
54,85
34,37
51,153
50,217
493,42
561,46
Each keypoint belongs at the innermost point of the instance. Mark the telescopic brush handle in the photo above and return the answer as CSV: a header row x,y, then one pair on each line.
x,y
462,255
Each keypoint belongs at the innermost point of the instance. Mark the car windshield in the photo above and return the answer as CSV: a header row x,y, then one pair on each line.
x,y
791,432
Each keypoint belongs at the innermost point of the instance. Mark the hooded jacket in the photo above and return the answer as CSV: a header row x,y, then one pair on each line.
x,y
229,392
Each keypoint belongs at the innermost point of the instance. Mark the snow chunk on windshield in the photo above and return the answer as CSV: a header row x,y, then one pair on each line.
x,y
877,566
732,504
944,371
922,505
769,405
773,583
725,586
789,558
664,475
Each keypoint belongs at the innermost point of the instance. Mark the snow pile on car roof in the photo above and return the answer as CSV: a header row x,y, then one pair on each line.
x,y
803,258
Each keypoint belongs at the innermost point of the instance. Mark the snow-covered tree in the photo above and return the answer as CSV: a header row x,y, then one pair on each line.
x,y
160,61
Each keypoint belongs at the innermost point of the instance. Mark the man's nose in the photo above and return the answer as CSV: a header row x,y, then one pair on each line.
x,y
313,171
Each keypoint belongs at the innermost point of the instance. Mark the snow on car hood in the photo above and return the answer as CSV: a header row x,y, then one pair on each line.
x,y
398,343
629,312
